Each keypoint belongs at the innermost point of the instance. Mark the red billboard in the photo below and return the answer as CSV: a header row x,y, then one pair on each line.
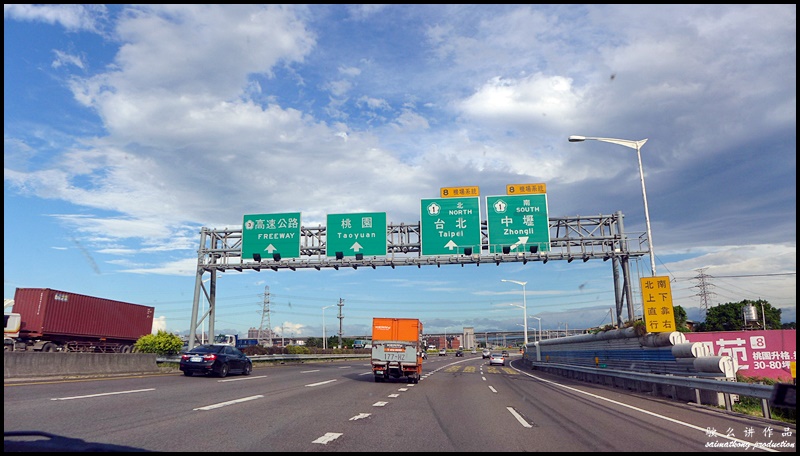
x,y
754,353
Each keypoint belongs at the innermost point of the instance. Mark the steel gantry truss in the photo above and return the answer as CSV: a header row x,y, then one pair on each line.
x,y
571,238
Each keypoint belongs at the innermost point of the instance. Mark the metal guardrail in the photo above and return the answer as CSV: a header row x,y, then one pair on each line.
x,y
255,358
755,390
723,386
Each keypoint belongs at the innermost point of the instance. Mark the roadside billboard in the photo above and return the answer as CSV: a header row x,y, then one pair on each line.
x,y
760,353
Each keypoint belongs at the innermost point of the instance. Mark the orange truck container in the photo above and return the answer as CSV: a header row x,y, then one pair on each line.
x,y
396,349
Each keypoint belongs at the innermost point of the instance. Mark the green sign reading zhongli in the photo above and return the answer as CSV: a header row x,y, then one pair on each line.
x,y
270,234
517,222
450,226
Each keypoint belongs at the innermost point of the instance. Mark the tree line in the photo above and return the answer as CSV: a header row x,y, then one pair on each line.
x,y
731,317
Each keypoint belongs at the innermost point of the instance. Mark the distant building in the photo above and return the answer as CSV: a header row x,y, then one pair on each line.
x,y
468,337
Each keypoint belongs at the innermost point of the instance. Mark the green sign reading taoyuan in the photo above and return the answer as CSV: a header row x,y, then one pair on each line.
x,y
270,234
517,222
450,225
363,233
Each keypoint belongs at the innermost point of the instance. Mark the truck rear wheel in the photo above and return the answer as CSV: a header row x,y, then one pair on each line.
x,y
49,347
126,348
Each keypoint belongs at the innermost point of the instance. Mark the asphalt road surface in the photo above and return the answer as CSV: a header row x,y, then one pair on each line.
x,y
460,404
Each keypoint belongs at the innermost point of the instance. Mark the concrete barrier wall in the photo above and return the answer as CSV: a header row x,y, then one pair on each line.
x,y
18,365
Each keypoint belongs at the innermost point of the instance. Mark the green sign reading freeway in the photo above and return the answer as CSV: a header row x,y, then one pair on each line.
x,y
268,234
350,234
517,222
449,225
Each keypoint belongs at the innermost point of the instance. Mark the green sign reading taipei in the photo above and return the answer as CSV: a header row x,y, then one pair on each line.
x,y
268,234
517,222
363,233
450,225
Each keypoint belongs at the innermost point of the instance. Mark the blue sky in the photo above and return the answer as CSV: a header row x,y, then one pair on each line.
x,y
128,128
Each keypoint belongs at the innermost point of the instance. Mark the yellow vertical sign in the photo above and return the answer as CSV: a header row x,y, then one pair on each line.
x,y
659,315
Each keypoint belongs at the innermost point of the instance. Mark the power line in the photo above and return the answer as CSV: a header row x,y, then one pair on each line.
x,y
756,275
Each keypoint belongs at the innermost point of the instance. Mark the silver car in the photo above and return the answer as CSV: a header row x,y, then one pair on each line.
x,y
497,358
486,353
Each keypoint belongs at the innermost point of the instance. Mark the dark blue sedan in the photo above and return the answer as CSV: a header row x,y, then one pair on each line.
x,y
219,359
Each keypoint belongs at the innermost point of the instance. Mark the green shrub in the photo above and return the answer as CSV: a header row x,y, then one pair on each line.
x,y
297,350
161,343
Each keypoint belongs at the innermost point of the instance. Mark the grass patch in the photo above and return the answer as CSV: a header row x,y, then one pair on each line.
x,y
752,406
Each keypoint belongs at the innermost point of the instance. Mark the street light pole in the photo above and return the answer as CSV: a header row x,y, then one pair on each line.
x,y
324,336
524,307
540,327
638,146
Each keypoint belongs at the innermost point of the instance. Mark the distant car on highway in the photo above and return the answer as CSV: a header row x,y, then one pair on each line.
x,y
443,352
218,359
486,353
474,352
459,352
497,358
505,354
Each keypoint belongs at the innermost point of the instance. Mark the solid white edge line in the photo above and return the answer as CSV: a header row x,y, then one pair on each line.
x,y
647,412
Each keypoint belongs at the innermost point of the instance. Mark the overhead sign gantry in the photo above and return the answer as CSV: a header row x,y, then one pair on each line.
x,y
517,228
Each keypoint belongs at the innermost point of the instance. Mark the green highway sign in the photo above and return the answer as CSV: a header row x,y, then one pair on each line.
x,y
517,222
449,225
268,234
350,234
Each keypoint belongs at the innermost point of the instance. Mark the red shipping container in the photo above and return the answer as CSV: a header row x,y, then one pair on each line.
x,y
46,313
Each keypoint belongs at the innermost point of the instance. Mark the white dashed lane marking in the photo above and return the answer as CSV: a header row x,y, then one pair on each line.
x,y
328,437
224,404
321,383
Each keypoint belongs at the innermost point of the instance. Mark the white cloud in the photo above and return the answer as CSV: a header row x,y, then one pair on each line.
x,y
71,17
63,58
531,99
159,324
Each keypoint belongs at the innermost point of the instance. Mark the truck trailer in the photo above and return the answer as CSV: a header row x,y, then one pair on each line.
x,y
397,349
47,320
235,340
